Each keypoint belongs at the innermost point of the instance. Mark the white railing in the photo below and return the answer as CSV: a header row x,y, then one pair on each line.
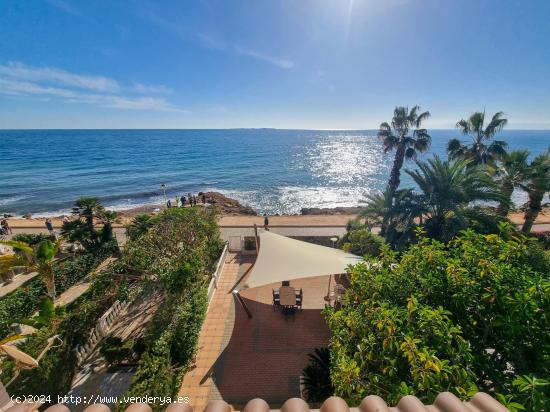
x,y
100,330
217,273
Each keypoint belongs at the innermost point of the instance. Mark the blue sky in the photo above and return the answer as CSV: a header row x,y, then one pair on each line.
x,y
323,64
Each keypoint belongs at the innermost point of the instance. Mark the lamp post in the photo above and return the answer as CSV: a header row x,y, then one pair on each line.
x,y
163,187
334,240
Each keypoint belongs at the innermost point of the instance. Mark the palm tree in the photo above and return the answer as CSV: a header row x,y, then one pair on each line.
x,y
398,216
316,376
536,185
447,191
378,208
89,211
396,137
480,151
511,173
39,258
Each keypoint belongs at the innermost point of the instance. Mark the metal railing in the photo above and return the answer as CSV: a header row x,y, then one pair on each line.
x,y
217,273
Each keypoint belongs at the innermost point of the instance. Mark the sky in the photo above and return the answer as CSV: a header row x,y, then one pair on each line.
x,y
310,64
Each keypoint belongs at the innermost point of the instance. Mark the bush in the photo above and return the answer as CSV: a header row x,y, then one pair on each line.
x,y
362,242
489,295
115,350
32,238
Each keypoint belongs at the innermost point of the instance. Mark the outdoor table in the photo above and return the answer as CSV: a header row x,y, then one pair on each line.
x,y
287,296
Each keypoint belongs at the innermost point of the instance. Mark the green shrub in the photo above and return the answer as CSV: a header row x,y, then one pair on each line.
x,y
115,350
139,225
489,296
32,238
363,242
155,375
187,326
393,351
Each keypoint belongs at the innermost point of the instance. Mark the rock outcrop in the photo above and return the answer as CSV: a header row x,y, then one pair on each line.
x,y
227,205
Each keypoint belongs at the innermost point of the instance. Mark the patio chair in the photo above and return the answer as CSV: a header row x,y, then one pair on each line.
x,y
299,298
276,298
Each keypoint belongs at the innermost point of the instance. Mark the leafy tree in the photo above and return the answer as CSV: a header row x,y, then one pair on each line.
x,y
88,212
511,173
536,185
392,351
316,376
39,257
482,150
448,190
396,137
478,305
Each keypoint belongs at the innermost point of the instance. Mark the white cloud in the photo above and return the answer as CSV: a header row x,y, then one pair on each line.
x,y
152,89
52,75
281,63
17,79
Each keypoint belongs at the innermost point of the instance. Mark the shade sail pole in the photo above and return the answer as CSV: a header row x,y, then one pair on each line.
x,y
328,291
241,301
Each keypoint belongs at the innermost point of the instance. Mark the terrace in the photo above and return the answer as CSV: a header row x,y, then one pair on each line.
x,y
241,357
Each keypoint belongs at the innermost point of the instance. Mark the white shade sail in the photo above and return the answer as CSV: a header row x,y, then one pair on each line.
x,y
282,258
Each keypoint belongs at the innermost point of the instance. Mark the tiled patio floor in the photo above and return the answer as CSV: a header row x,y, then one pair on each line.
x,y
259,357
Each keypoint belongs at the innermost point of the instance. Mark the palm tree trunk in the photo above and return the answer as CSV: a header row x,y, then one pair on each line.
x,y
504,206
396,169
534,206
49,281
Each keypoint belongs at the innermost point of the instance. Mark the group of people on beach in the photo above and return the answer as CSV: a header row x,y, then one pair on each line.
x,y
190,200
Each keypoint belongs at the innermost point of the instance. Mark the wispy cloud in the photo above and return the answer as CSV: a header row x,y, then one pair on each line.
x,y
60,77
281,63
152,88
65,6
215,43
30,81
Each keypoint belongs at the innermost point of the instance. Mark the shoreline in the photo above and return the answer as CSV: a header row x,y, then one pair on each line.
x,y
233,213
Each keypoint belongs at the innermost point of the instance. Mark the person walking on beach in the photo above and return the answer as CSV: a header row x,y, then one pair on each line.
x,y
49,226
266,222
169,204
183,200
177,201
203,199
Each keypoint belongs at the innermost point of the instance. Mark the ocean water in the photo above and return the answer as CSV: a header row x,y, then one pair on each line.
x,y
42,172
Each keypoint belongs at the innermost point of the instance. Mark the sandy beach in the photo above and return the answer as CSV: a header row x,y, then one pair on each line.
x,y
228,220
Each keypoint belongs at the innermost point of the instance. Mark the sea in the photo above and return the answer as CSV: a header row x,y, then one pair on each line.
x,y
42,172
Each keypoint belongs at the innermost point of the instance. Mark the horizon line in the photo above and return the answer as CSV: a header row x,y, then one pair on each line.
x,y
236,128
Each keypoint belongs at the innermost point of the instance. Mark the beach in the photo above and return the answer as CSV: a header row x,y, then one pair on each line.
x,y
322,217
